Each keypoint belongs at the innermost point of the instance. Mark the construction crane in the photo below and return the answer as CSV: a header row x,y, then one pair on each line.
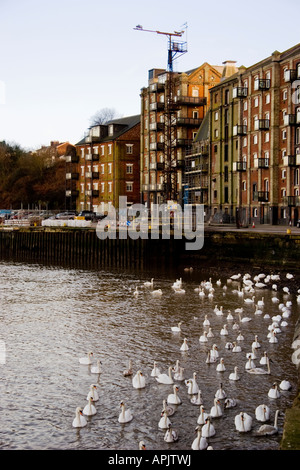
x,y
175,50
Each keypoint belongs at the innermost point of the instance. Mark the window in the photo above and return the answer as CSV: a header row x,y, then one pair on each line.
x,y
195,92
256,82
296,177
255,139
110,129
254,212
245,105
102,168
284,95
226,194
245,142
82,153
216,116
102,150
283,192
82,170
244,186
82,188
283,174
129,168
268,98
109,168
226,96
216,133
255,102
226,174
267,137
129,186
102,187
110,186
195,114
284,134
215,148
109,149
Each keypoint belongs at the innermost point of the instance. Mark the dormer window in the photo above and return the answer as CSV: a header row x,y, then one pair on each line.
x,y
110,129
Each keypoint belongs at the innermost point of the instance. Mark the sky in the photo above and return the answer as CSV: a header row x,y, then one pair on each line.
x,y
61,61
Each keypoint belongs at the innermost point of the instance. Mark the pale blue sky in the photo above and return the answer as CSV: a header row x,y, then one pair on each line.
x,y
62,60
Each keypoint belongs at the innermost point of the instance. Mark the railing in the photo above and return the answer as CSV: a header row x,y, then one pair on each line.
x,y
239,130
261,124
240,92
184,121
261,196
262,84
290,75
261,163
239,166
191,100
72,176
290,160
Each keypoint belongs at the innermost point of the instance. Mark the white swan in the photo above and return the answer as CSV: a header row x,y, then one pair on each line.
x,y
93,393
157,293
176,329
221,366
264,359
173,398
86,360
250,364
229,316
236,348
97,368
184,346
179,375
142,445
202,415
166,379
216,409
200,442
259,370
261,303
220,393
244,319
164,421
249,301
125,416
262,413
256,343
149,283
285,385
210,333
240,337
79,420
210,359
224,331
234,375
274,392
155,371
197,399
89,409
139,381
268,429
203,337
252,354
170,410
206,321
136,292
192,385
229,403
208,430
273,338
243,422
128,372
171,435
214,353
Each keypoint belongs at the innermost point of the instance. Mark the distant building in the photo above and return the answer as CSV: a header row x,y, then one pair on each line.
x,y
255,142
173,106
108,165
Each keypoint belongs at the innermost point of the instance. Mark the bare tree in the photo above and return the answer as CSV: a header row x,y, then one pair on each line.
x,y
103,116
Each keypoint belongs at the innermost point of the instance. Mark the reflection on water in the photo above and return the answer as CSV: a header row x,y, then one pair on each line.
x,y
51,316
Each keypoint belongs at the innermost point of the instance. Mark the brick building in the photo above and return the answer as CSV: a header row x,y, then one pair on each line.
x,y
107,165
255,142
173,106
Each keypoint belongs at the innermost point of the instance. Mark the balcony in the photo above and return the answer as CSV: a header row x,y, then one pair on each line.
x,y
72,193
156,146
182,142
95,175
191,100
156,187
290,75
262,84
239,166
92,193
95,157
261,163
261,196
290,160
72,176
239,130
88,157
239,92
262,124
156,126
184,121
154,87
157,106
72,158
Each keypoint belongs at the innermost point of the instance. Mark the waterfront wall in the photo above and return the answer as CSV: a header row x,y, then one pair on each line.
x,y
82,247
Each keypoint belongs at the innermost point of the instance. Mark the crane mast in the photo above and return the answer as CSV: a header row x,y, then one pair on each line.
x,y
175,50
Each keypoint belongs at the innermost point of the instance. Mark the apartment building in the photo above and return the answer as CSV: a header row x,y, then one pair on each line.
x,y
255,142
107,165
173,106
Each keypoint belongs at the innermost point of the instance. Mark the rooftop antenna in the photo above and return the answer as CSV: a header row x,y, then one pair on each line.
x,y
175,48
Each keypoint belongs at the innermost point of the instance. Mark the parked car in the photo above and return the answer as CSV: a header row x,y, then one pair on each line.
x,y
66,215
90,215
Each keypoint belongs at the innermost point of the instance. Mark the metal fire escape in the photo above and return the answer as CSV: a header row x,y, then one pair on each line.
x,y
175,50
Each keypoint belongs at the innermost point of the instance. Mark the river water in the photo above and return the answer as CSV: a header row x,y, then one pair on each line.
x,y
51,316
